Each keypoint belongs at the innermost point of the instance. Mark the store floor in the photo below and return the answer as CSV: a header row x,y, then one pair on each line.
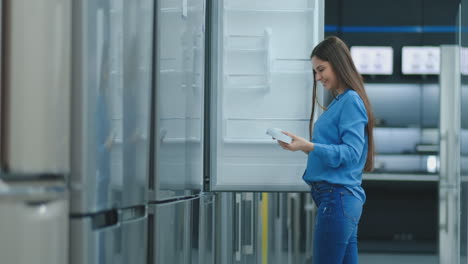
x,y
373,258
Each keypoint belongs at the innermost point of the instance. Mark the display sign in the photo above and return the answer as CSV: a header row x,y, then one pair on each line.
x,y
420,60
464,60
373,60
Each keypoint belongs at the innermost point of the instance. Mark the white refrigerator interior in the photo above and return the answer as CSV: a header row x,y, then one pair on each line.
x,y
180,45
262,79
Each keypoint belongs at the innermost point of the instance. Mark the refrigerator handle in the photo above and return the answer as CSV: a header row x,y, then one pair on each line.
x,y
2,147
310,209
248,248
238,226
268,57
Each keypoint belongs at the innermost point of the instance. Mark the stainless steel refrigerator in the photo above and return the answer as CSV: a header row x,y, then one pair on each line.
x,y
212,110
112,78
34,137
180,213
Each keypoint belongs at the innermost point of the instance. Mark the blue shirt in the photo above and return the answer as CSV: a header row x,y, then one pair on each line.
x,y
340,144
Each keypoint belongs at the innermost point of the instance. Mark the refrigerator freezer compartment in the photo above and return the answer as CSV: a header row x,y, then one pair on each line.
x,y
93,243
134,238
33,224
108,237
173,231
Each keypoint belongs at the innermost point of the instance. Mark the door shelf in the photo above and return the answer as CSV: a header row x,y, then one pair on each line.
x,y
269,11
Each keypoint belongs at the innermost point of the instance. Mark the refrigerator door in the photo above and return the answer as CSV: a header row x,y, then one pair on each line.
x,y
33,223
450,178
287,222
112,60
137,81
173,227
179,97
238,219
261,79
464,126
205,213
134,224
36,87
96,239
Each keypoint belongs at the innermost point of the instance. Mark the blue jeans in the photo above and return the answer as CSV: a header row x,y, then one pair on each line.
x,y
336,224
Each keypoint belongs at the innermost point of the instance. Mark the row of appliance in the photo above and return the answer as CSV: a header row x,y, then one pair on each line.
x,y
134,131
120,121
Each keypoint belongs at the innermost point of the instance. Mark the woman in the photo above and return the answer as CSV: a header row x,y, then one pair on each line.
x,y
341,148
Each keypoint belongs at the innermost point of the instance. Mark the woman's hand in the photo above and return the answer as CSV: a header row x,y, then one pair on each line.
x,y
298,143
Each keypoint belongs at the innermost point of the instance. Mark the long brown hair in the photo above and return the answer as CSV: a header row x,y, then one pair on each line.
x,y
335,51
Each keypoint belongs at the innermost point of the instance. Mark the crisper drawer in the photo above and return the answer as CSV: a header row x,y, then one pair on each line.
x,y
33,224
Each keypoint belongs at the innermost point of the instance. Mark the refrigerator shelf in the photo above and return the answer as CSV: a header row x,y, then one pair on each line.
x,y
246,50
305,11
249,141
400,177
180,140
171,10
266,119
